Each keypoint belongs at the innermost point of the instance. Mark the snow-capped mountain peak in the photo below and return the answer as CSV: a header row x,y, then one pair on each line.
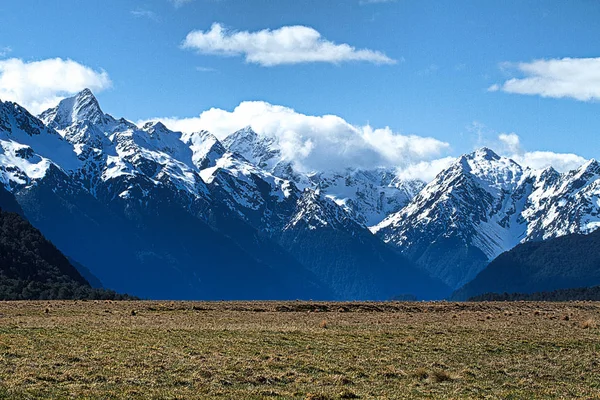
x,y
315,211
587,171
28,148
492,170
206,148
485,204
155,128
82,107
260,150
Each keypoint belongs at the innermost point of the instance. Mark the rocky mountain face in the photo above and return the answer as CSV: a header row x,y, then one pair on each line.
x,y
162,214
165,214
317,231
130,205
485,204
367,195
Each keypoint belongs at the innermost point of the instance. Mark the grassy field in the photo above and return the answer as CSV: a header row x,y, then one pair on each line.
x,y
184,350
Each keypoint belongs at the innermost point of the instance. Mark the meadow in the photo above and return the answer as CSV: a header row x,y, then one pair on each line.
x,y
298,350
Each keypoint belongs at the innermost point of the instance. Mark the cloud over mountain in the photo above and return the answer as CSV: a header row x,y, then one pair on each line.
x,y
562,162
38,85
317,142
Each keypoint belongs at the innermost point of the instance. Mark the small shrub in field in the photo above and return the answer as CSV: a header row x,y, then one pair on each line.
x,y
323,324
588,324
317,396
441,376
347,394
421,373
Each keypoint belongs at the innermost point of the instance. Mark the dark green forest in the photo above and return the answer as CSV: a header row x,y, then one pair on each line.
x,y
571,261
32,268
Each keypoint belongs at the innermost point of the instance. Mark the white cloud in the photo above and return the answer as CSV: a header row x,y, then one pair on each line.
x,y
577,78
425,170
179,3
142,13
325,142
562,162
511,141
205,69
38,85
286,45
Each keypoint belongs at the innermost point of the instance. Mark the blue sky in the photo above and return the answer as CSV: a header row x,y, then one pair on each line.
x,y
435,75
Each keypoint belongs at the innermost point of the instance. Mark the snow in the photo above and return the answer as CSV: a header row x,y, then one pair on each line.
x,y
520,205
243,171
17,169
489,202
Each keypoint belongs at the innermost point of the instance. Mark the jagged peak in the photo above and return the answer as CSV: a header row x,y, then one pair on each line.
x,y
82,107
14,116
247,130
484,157
590,167
483,153
549,171
201,137
245,134
155,127
85,100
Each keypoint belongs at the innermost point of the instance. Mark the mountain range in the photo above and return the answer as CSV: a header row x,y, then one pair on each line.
x,y
164,214
484,205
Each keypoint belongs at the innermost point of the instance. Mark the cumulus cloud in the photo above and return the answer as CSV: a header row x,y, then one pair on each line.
x,y
286,45
577,78
316,143
38,85
562,162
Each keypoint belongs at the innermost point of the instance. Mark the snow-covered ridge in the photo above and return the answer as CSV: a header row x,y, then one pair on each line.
x,y
29,148
116,159
491,203
482,201
367,195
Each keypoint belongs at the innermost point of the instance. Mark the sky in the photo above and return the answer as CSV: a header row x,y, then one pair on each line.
x,y
411,84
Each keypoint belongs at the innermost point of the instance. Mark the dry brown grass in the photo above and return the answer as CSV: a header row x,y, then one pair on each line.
x,y
588,324
257,350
